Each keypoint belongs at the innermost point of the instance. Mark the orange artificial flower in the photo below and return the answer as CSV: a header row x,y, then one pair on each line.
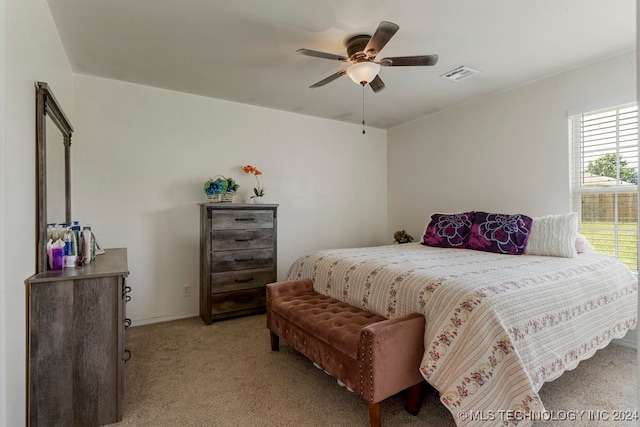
x,y
259,191
251,169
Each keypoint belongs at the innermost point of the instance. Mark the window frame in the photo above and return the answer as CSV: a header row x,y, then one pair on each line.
x,y
578,165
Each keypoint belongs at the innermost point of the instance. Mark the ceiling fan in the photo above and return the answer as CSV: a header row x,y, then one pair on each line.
x,y
362,50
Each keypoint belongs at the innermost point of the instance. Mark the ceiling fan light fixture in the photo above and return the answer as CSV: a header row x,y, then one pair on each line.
x,y
363,72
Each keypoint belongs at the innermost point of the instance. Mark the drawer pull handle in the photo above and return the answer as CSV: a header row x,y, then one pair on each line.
x,y
243,240
244,280
245,219
127,356
243,259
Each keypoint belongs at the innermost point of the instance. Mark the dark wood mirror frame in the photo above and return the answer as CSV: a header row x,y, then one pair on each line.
x,y
48,106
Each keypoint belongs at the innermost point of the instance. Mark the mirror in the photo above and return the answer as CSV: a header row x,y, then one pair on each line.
x,y
55,148
53,143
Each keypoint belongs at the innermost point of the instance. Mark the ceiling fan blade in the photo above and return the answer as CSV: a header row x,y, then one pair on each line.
x,y
407,61
329,79
323,55
383,34
377,84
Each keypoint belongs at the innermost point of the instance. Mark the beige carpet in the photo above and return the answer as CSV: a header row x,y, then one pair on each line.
x,y
183,373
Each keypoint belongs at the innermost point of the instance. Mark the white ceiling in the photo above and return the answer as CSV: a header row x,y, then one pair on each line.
x,y
244,50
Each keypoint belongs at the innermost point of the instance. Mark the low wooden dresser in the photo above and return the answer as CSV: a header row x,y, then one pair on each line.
x,y
76,353
238,257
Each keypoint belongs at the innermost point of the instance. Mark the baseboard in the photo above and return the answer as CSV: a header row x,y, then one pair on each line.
x,y
624,342
161,319
629,340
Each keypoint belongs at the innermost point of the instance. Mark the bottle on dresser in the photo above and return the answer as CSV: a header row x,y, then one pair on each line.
x,y
88,245
76,231
70,248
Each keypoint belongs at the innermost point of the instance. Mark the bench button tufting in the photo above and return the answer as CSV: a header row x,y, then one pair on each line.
x,y
327,330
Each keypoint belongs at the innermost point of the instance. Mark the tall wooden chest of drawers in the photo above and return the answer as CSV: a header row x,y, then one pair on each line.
x,y
238,257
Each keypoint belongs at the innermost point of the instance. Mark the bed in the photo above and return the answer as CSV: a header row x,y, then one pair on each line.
x,y
497,326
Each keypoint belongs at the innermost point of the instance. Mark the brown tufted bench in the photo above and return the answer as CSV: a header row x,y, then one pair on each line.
x,y
372,356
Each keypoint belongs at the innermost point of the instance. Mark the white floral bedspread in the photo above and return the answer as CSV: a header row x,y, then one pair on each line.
x,y
497,326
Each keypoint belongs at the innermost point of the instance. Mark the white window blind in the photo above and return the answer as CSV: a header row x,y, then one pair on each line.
x,y
604,153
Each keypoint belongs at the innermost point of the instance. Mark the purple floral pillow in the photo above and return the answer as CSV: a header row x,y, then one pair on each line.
x,y
448,230
500,233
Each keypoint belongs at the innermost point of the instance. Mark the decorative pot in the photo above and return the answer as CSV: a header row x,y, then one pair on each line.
x,y
258,200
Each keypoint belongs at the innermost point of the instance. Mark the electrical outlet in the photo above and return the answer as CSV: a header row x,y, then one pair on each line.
x,y
186,290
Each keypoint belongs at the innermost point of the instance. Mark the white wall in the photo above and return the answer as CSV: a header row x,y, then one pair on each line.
x,y
33,52
3,304
142,154
505,153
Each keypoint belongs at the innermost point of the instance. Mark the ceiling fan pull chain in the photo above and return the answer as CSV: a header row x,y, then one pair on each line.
x,y
363,109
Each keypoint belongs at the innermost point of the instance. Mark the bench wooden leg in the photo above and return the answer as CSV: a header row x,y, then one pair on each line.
x,y
374,415
275,341
413,399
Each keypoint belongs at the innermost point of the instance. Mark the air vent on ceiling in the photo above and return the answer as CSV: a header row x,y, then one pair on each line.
x,y
460,73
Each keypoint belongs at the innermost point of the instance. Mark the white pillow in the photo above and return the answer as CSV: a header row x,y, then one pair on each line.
x,y
583,245
553,235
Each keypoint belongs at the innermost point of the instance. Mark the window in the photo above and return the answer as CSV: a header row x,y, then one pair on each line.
x,y
604,152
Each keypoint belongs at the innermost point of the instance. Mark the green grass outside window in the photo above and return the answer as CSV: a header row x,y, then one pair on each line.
x,y
601,236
